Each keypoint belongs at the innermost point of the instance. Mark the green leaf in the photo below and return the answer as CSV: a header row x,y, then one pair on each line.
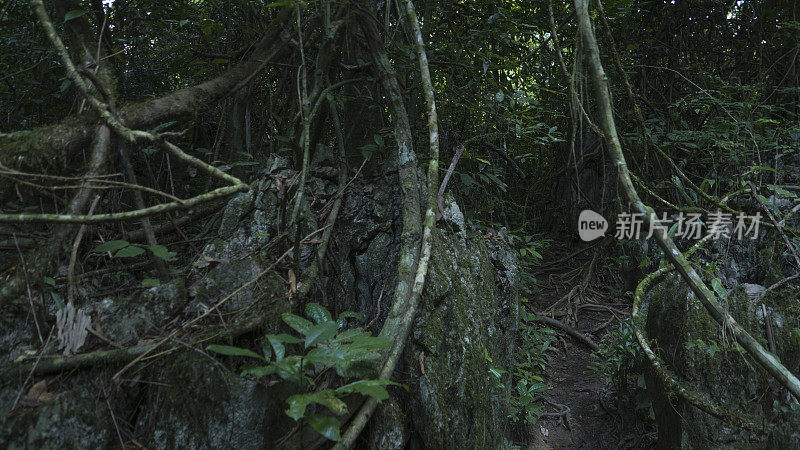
x,y
369,343
719,289
321,333
111,246
347,315
129,252
325,425
150,282
257,371
59,301
326,397
350,334
318,313
297,323
74,14
373,388
162,252
233,351
49,281
325,358
277,341
267,350
289,369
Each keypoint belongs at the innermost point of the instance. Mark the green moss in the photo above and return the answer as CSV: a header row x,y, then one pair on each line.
x,y
770,264
784,305
460,318
711,363
73,420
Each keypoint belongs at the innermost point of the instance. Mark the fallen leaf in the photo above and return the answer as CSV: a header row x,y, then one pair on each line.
x,y
38,393
292,283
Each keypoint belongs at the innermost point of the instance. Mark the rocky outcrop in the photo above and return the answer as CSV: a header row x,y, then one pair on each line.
x,y
710,362
190,398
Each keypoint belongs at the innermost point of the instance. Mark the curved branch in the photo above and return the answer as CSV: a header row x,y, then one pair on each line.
x,y
671,382
49,145
398,331
706,296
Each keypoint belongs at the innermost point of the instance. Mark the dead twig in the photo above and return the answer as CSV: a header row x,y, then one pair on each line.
x,y
459,150
74,255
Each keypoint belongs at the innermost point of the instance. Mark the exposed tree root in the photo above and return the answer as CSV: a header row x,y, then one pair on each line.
x,y
569,330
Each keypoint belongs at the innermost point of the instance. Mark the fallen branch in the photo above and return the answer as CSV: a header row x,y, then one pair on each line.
x,y
56,364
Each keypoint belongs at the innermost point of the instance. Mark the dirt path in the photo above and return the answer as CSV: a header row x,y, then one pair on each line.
x,y
581,411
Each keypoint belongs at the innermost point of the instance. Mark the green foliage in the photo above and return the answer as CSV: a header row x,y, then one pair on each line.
x,y
124,249
150,282
526,377
327,345
616,357
530,247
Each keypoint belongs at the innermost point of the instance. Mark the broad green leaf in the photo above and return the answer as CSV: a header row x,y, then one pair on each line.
x,y
258,371
74,14
719,289
373,388
233,351
150,282
162,252
325,425
50,281
289,368
318,313
370,343
266,348
363,368
347,315
277,341
59,301
129,252
324,358
326,397
321,333
297,323
350,334
111,246
770,169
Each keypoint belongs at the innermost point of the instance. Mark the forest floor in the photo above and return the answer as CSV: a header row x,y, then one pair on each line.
x,y
582,410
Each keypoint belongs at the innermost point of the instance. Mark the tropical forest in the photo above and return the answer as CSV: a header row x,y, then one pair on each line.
x,y
399,224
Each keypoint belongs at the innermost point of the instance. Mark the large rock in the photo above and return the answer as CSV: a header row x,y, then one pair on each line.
x,y
191,399
469,311
712,365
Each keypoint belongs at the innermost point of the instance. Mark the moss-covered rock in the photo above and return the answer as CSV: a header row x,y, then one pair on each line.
x,y
714,367
464,316
74,420
203,405
126,320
